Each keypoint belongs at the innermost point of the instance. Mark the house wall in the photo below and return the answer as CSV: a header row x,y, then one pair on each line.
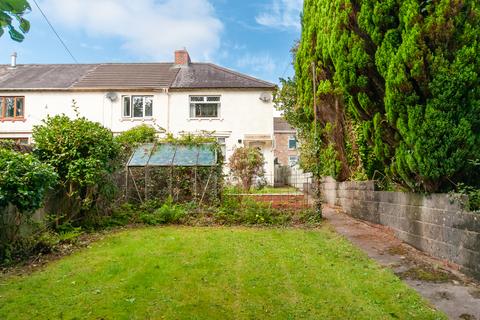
x,y
241,113
281,151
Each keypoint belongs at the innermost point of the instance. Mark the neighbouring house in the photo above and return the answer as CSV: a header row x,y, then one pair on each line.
x,y
179,96
286,144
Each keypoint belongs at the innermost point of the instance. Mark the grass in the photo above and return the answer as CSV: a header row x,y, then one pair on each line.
x,y
271,190
213,273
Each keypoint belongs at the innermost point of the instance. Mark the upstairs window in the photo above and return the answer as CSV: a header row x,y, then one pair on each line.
x,y
12,107
204,106
137,106
292,142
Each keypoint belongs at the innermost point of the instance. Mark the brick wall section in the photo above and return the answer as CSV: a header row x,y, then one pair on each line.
x,y
436,224
281,151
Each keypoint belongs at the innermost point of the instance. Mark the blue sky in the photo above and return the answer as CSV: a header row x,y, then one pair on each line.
x,y
253,37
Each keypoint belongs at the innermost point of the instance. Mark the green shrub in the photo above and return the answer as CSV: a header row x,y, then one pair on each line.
x,y
134,137
244,210
169,212
84,155
24,181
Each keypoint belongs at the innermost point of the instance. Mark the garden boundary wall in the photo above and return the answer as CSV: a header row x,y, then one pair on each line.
x,y
436,224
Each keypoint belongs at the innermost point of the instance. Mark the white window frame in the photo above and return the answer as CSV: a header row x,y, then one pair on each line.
x,y
192,108
131,110
222,142
290,138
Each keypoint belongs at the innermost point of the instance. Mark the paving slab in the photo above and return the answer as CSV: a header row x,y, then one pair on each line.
x,y
440,282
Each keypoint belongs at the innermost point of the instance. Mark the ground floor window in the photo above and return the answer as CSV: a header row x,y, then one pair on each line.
x,y
137,106
292,161
223,146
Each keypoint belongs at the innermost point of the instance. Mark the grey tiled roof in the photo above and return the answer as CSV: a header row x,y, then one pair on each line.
x,y
124,76
130,76
207,75
42,76
281,125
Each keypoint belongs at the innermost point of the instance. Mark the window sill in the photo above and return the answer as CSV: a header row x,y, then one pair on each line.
x,y
137,119
13,119
205,119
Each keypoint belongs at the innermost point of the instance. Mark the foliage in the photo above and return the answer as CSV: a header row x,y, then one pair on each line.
x,y
246,165
252,273
84,156
11,11
24,181
169,212
473,194
135,136
407,73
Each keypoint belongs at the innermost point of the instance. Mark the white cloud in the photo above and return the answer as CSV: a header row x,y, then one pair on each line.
x,y
148,28
261,64
282,14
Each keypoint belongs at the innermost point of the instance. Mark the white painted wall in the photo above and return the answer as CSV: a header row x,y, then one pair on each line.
x,y
242,112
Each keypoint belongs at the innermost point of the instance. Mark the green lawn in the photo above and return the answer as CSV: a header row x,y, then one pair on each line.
x,y
213,273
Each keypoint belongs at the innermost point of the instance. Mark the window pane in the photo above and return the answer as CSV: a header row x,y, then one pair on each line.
x,y
10,107
126,107
19,107
2,100
192,110
138,107
223,146
214,99
196,99
148,106
292,143
204,110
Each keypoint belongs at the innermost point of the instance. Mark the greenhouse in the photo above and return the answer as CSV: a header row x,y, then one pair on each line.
x,y
183,172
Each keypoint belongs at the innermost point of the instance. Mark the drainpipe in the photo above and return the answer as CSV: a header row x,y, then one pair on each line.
x,y
168,110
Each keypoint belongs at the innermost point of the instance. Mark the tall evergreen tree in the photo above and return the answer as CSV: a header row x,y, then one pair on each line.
x,y
407,73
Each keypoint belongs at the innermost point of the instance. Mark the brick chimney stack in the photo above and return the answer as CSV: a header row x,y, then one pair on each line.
x,y
182,58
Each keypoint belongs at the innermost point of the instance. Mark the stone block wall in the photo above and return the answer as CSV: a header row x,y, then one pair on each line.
x,y
436,223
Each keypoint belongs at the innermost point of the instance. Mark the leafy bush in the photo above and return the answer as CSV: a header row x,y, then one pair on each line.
x,y
133,137
244,210
169,212
24,183
246,164
84,156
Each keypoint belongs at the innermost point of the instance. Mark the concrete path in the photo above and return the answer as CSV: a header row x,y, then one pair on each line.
x,y
437,281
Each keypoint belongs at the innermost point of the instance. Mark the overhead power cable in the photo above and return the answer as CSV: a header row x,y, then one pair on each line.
x,y
54,31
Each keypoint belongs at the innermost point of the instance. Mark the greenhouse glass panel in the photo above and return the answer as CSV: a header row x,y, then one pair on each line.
x,y
141,155
163,155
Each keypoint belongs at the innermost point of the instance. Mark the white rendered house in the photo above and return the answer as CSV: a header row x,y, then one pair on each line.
x,y
178,97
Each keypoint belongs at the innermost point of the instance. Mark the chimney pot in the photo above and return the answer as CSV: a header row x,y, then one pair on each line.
x,y
182,58
14,60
